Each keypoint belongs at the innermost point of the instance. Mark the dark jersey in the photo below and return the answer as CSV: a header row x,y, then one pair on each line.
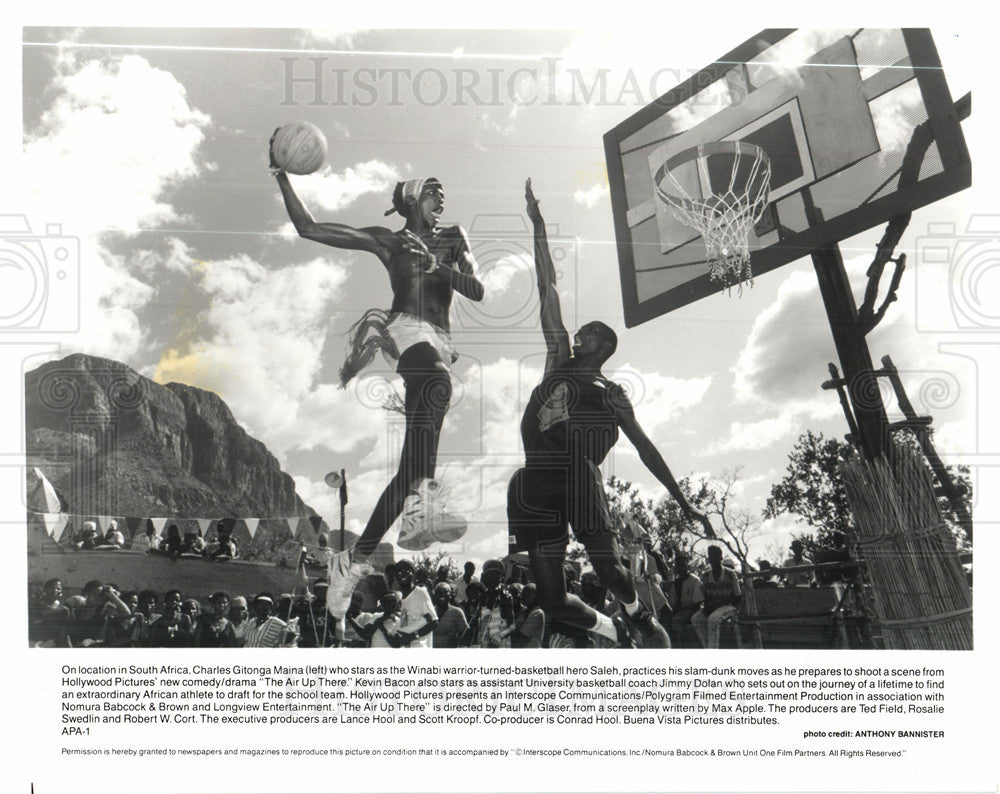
x,y
569,417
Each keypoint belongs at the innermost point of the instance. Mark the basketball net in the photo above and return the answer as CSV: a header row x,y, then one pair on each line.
x,y
724,218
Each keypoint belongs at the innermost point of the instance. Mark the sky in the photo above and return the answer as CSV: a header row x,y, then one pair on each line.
x,y
150,147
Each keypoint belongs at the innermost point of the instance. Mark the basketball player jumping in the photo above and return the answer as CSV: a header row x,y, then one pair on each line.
x,y
569,425
426,264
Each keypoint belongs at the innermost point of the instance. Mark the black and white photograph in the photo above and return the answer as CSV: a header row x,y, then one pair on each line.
x,y
518,344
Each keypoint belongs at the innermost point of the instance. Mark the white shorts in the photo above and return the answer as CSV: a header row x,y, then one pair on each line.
x,y
408,330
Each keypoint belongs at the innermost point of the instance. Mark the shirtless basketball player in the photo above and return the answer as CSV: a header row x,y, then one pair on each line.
x,y
426,264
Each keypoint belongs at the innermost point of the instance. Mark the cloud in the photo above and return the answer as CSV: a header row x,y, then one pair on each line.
x,y
784,359
589,198
659,399
117,139
262,351
756,435
893,115
119,126
499,275
334,191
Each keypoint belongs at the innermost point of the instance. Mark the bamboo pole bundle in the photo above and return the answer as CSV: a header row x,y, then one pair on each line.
x,y
918,587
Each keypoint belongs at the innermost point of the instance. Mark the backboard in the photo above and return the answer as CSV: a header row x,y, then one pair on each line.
x,y
859,126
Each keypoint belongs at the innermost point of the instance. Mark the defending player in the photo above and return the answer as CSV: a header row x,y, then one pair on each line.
x,y
426,264
569,425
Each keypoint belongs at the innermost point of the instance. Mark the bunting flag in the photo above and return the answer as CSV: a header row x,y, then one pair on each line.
x,y
316,523
63,526
55,523
132,526
73,523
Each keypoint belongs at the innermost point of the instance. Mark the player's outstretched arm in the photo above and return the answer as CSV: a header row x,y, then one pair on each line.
x,y
556,336
651,457
375,240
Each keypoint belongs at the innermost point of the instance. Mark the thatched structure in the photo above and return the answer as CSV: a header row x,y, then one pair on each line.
x,y
919,590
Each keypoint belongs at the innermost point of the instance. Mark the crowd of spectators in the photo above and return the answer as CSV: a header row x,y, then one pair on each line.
x,y
416,607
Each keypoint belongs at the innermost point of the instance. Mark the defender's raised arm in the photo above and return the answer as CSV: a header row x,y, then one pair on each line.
x,y
556,335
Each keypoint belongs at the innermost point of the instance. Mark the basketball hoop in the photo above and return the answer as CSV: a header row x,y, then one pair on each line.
x,y
722,207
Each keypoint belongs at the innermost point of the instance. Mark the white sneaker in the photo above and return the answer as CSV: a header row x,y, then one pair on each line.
x,y
344,575
423,521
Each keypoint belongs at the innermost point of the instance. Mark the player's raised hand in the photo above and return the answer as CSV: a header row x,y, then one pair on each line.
x,y
272,164
532,203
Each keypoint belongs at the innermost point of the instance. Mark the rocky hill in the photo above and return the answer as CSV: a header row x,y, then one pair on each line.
x,y
115,443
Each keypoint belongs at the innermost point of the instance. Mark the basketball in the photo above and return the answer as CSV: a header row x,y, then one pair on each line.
x,y
299,148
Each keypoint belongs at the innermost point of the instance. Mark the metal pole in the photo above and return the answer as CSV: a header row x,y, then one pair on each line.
x,y
343,504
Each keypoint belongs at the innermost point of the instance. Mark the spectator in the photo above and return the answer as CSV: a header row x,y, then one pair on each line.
x,y
86,538
172,544
838,552
768,581
390,576
722,595
473,599
47,617
460,583
216,631
227,547
322,554
113,539
572,572
239,616
192,608
172,596
530,631
441,576
173,628
452,623
143,619
193,543
798,578
493,623
321,618
86,627
147,541
265,629
381,630
685,596
418,616
421,579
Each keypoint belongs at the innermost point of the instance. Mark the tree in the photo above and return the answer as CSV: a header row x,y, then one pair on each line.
x,y
813,491
672,532
662,524
427,564
811,488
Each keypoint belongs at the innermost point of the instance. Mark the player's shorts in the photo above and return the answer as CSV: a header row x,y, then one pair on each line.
x,y
393,334
544,501
408,330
